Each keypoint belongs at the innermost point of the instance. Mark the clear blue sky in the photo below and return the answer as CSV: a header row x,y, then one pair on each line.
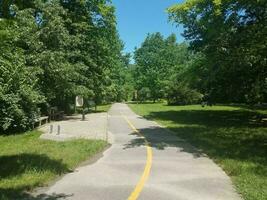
x,y
137,18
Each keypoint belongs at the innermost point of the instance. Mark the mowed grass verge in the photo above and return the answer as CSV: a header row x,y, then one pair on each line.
x,y
231,136
27,161
103,108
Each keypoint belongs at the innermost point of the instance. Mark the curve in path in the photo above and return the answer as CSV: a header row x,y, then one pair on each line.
x,y
127,170
139,187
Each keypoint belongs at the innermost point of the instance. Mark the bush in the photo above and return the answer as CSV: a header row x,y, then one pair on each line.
x,y
18,99
144,94
18,95
181,94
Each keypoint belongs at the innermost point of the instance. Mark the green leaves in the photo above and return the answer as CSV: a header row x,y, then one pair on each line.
x,y
232,36
160,65
51,51
18,93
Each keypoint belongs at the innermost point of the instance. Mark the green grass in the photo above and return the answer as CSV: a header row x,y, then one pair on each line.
x,y
103,108
232,136
27,162
99,109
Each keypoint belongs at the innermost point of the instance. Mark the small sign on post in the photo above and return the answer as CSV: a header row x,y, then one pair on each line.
x,y
79,101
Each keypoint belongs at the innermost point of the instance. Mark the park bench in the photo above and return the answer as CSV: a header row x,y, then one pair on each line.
x,y
41,119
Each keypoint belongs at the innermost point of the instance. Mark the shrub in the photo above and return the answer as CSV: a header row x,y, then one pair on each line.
x,y
18,95
144,94
180,94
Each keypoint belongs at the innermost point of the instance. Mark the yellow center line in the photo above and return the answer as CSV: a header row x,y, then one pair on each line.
x,y
140,185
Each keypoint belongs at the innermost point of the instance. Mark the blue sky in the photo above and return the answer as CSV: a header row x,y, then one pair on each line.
x,y
136,18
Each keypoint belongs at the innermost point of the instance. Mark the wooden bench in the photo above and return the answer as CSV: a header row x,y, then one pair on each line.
x,y
41,119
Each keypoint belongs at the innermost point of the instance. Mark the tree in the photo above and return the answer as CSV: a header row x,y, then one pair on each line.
x,y
149,65
232,37
52,51
121,79
161,65
19,95
93,25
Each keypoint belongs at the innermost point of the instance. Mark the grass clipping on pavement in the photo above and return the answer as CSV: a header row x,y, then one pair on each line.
x,y
27,162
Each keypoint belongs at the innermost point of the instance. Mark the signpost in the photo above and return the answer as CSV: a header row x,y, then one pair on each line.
x,y
79,103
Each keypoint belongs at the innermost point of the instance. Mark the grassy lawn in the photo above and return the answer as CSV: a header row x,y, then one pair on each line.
x,y
231,136
103,108
99,109
27,162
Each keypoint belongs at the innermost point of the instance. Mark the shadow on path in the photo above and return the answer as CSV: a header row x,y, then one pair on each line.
x,y
234,135
161,138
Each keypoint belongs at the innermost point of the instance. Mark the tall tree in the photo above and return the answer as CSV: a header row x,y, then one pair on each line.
x,y
232,36
160,67
149,65
52,51
19,94
93,25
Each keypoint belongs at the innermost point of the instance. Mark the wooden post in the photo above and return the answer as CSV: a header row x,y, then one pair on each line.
x,y
83,117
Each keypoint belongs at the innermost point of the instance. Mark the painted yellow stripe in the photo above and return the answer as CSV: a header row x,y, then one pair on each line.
x,y
140,185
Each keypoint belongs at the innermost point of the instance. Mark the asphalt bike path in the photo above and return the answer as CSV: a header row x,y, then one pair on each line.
x,y
145,161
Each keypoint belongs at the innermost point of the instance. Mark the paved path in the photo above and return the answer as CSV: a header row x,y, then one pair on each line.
x,y
168,169
94,127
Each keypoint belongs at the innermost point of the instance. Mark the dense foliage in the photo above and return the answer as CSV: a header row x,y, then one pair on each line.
x,y
231,35
223,61
18,91
51,51
160,70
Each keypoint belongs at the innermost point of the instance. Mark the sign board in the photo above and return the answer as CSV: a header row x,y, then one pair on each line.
x,y
79,101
